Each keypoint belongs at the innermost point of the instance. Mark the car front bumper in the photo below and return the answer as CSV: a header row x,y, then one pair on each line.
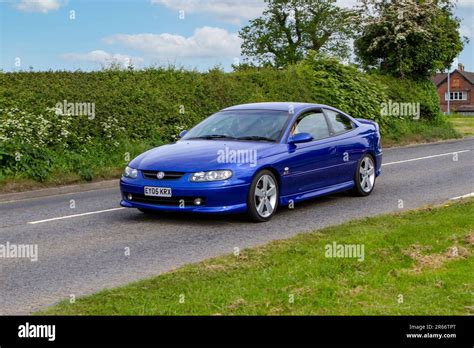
x,y
217,197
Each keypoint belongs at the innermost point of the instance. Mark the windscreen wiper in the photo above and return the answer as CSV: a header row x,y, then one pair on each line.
x,y
213,136
256,137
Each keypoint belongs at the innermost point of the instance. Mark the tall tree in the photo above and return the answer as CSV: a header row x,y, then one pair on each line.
x,y
288,29
412,38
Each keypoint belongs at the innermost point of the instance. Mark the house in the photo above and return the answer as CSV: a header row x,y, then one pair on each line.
x,y
461,95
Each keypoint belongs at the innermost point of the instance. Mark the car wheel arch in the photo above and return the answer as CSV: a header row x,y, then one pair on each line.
x,y
372,154
271,169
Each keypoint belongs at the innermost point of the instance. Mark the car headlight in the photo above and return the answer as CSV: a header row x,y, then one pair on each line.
x,y
213,175
130,172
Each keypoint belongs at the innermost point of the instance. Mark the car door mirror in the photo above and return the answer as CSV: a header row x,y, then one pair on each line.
x,y
182,133
300,138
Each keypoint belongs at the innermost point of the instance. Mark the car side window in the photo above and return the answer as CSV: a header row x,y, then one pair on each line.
x,y
313,123
340,123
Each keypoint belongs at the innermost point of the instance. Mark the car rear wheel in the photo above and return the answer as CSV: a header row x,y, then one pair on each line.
x,y
365,176
263,197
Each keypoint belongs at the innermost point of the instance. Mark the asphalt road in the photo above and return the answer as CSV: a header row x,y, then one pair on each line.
x,y
85,253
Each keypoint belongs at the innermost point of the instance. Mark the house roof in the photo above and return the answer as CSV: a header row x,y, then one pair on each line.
x,y
439,78
468,76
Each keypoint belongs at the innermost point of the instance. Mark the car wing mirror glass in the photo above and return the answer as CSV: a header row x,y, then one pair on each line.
x,y
300,138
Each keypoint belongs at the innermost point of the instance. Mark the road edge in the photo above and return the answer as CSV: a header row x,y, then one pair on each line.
x,y
445,141
58,190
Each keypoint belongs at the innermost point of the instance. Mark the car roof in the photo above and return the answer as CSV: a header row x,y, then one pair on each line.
x,y
278,106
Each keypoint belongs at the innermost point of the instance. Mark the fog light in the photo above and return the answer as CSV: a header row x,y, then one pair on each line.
x,y
198,201
129,196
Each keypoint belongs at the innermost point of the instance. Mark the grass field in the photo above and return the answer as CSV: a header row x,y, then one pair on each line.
x,y
413,132
463,124
414,263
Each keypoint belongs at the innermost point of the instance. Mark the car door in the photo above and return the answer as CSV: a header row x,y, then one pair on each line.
x,y
348,148
309,164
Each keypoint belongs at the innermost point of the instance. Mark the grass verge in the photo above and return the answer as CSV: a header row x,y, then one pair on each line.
x,y
463,124
406,132
95,163
415,263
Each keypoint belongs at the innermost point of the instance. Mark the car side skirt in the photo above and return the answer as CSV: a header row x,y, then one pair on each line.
x,y
302,196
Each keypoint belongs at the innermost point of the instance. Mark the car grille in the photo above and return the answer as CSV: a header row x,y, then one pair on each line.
x,y
151,174
170,201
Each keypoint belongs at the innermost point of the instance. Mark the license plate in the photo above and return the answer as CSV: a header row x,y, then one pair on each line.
x,y
157,191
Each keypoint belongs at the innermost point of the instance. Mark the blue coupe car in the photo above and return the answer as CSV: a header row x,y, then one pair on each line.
x,y
255,157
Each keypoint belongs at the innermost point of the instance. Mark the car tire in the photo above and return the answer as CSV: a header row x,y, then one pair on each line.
x,y
263,197
364,177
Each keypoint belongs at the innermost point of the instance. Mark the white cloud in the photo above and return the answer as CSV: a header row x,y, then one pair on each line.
x,y
102,57
466,30
465,3
465,11
230,11
42,6
206,42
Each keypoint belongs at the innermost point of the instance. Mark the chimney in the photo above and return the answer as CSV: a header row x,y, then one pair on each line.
x,y
461,67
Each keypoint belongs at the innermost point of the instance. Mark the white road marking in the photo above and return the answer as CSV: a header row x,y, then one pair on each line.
x,y
384,164
426,157
75,215
464,196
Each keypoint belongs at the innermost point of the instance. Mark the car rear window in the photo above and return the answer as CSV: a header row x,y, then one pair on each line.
x,y
340,123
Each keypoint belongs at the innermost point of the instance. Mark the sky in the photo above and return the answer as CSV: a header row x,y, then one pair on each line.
x,y
91,34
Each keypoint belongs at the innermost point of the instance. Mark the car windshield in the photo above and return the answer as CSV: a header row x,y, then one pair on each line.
x,y
253,125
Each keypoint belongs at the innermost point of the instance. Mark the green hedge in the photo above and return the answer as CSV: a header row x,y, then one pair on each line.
x,y
151,106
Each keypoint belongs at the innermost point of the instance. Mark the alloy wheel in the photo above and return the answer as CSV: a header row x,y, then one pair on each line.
x,y
265,195
367,174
